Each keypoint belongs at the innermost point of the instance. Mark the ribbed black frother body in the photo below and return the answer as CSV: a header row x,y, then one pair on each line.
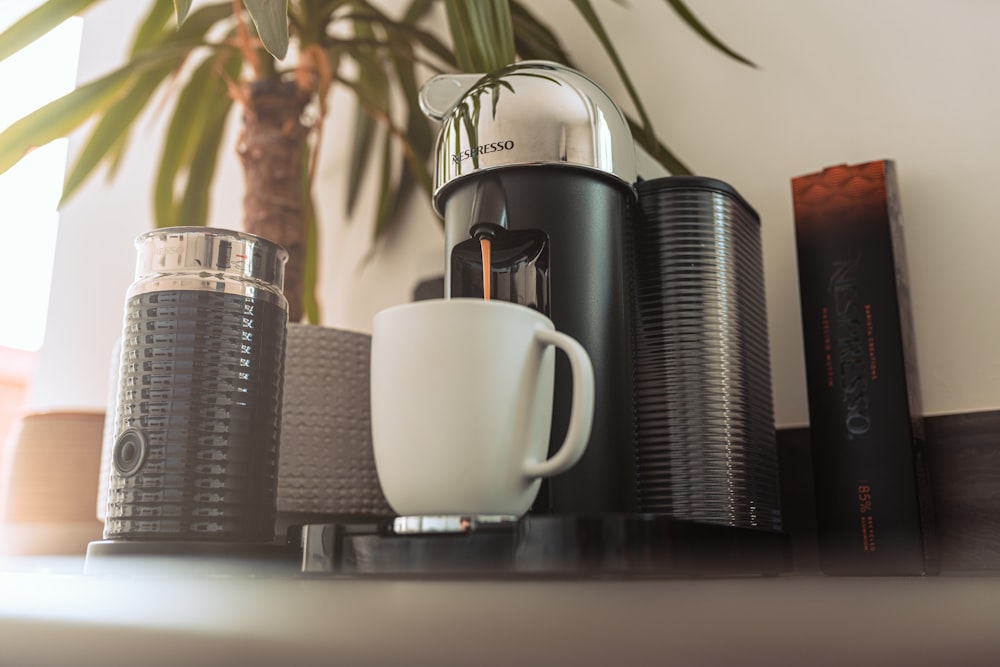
x,y
199,397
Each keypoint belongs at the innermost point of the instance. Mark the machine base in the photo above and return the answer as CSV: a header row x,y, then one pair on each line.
x,y
548,546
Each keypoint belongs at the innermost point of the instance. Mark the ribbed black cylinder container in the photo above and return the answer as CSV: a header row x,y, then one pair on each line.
x,y
706,445
199,398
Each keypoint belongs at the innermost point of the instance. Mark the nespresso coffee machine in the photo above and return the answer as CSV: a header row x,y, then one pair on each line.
x,y
661,280
540,160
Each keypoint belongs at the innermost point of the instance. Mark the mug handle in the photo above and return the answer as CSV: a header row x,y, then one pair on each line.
x,y
581,412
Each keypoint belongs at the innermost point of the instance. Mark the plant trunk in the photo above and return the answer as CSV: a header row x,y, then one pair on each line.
x,y
273,151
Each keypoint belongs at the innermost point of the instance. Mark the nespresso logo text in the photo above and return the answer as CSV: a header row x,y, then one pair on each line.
x,y
851,346
492,147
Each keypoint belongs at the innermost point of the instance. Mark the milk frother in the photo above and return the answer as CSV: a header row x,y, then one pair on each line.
x,y
197,420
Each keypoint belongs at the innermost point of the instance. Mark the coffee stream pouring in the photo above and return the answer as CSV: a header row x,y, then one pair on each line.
x,y
538,160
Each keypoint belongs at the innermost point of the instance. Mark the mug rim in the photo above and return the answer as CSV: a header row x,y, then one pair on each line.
x,y
441,302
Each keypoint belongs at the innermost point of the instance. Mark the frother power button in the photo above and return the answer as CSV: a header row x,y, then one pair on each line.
x,y
129,452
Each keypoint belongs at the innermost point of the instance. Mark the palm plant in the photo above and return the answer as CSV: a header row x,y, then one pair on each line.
x,y
279,61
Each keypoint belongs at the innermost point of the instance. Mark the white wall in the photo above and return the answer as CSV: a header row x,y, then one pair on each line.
x,y
94,257
852,81
848,81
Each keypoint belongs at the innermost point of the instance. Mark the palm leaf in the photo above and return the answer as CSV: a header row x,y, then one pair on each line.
x,y
416,140
199,23
310,303
416,11
461,37
688,16
193,209
271,19
406,32
183,137
418,130
371,88
306,15
533,39
386,191
111,131
191,113
373,78
418,135
590,16
364,139
153,32
664,155
182,7
39,22
482,33
152,29
156,54
399,196
60,116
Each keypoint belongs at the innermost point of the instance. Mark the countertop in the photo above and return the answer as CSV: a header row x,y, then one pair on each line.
x,y
53,614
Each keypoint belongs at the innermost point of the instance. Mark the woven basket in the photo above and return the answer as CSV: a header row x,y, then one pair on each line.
x,y
326,463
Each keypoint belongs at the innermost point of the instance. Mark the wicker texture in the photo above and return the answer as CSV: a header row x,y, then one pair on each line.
x,y
326,463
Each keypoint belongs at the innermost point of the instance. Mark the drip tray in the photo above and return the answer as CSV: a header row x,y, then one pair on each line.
x,y
614,546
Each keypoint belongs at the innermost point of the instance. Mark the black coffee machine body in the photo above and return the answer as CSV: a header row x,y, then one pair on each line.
x,y
538,159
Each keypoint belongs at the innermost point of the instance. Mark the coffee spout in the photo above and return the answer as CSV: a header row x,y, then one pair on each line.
x,y
489,208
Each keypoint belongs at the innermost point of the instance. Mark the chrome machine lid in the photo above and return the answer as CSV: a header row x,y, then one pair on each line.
x,y
533,113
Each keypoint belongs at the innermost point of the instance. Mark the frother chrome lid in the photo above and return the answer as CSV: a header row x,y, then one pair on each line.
x,y
533,113
224,253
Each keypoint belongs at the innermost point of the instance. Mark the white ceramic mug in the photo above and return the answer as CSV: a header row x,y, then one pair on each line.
x,y
461,398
